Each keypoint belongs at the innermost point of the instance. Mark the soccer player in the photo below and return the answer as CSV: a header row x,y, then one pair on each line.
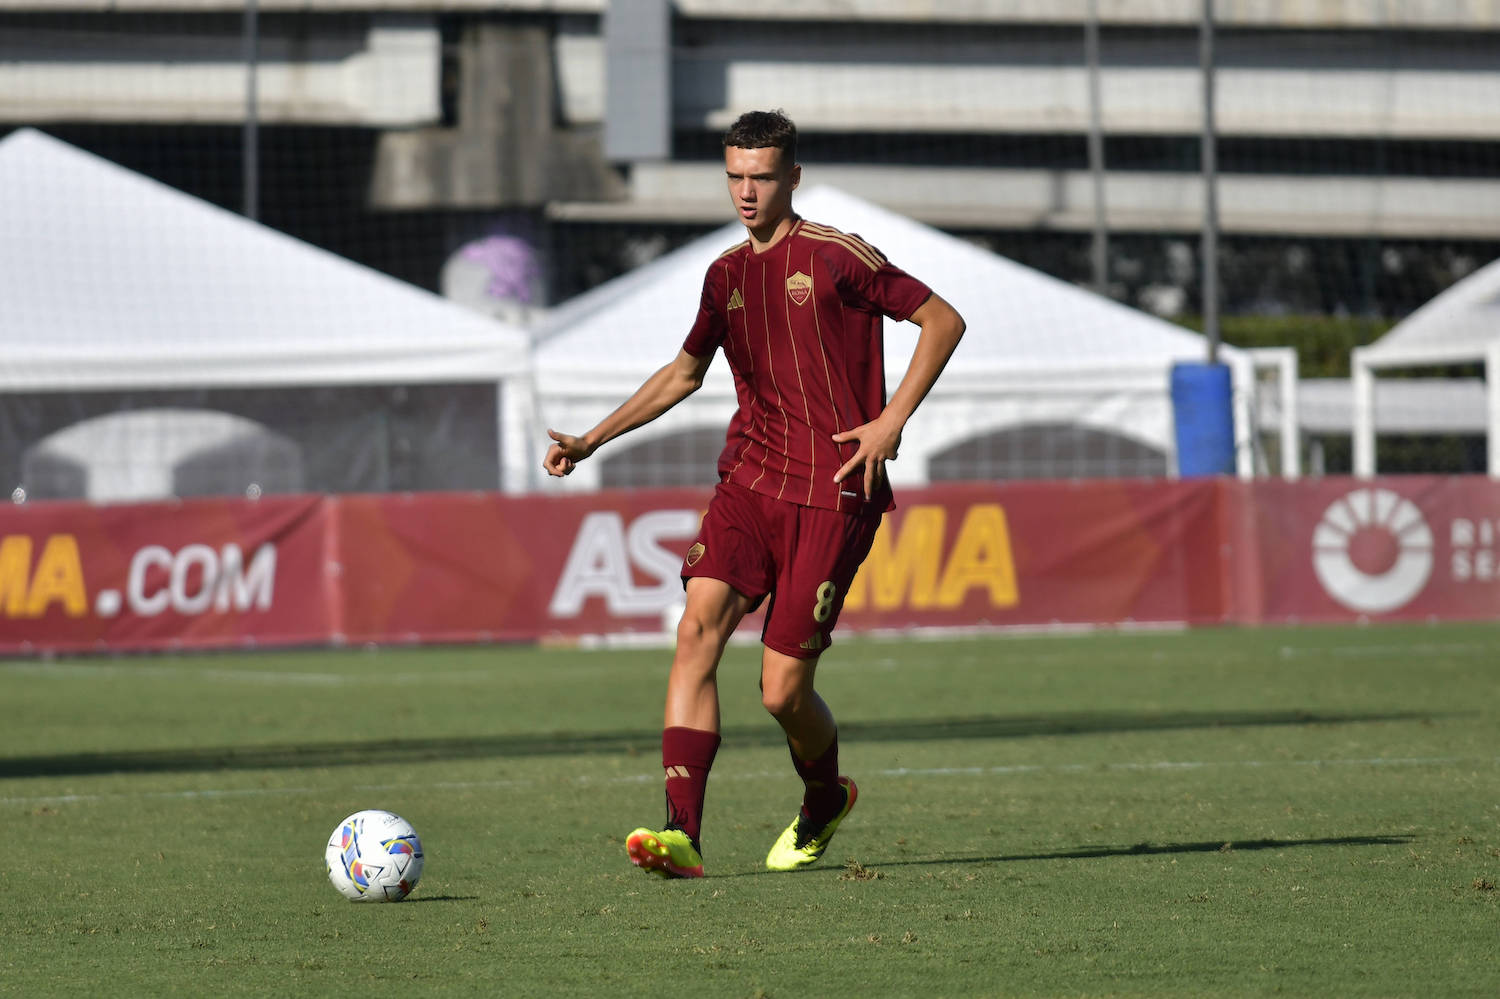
x,y
796,308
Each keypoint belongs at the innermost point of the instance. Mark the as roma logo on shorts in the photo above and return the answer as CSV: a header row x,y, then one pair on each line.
x,y
695,553
799,286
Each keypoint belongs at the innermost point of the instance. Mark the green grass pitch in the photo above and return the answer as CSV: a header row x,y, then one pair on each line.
x,y
1308,812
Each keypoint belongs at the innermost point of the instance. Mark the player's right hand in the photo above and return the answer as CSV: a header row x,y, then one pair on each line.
x,y
564,454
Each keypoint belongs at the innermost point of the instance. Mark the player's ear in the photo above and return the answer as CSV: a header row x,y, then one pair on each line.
x,y
796,175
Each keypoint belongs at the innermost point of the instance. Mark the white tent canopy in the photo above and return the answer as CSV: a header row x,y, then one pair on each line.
x,y
111,280
1037,349
1461,325
1407,406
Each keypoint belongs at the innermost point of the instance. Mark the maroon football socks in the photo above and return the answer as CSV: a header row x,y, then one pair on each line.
x,y
687,754
822,797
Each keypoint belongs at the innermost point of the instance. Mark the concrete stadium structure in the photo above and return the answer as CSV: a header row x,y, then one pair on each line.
x,y
570,107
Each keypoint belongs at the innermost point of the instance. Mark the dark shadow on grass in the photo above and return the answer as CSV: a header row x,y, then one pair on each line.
x,y
647,743
1153,849
410,899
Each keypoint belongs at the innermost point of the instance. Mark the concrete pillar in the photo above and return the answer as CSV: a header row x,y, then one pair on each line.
x,y
638,80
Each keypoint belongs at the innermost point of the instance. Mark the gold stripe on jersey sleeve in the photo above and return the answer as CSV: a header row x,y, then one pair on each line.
x,y
735,248
872,257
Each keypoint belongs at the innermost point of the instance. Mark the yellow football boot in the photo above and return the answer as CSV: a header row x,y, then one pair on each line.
x,y
804,841
669,853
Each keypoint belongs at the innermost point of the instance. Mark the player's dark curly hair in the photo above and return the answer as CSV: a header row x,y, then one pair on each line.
x,y
760,129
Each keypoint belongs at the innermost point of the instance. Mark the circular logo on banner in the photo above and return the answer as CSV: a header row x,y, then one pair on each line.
x,y
1372,551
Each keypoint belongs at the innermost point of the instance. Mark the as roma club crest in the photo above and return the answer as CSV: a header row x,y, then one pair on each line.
x,y
694,554
799,287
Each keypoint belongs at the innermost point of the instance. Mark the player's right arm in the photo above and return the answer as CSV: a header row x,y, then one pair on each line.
x,y
942,327
671,384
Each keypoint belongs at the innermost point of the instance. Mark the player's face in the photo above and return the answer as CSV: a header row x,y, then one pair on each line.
x,y
761,186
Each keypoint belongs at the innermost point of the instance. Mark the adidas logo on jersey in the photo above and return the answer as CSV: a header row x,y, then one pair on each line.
x,y
735,301
814,643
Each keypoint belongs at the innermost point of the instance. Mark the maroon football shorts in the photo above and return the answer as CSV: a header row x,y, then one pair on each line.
x,y
803,557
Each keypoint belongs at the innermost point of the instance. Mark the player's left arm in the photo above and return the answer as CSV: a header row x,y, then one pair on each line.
x,y
879,440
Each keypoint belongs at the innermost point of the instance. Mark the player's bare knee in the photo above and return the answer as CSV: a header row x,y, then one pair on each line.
x,y
781,700
690,631
776,703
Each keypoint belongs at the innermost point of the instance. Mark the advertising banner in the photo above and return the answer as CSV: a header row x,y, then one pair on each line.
x,y
474,567
1040,553
1395,548
481,566
190,574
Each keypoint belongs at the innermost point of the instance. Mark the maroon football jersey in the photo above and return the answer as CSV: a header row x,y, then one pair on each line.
x,y
800,325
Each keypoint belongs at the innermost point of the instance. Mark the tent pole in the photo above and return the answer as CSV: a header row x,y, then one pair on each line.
x,y
1492,390
1363,378
1291,423
1283,360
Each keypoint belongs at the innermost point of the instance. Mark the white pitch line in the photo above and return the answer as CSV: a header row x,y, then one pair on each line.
x,y
1162,766
1168,765
1386,651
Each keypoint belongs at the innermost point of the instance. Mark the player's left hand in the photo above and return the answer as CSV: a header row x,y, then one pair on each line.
x,y
878,444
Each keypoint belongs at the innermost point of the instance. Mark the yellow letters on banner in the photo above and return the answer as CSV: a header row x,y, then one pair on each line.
x,y
15,573
58,577
907,568
981,557
904,570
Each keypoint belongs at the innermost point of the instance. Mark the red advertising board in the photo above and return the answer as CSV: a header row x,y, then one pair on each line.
x,y
1037,553
1339,549
482,566
196,573
462,568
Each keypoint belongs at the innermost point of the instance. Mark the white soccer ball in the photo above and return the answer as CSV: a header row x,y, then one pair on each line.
x,y
374,856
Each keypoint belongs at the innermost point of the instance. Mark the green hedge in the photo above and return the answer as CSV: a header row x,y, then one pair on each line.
x,y
1322,343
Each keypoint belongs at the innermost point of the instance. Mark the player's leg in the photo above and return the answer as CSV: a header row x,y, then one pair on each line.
x,y
786,691
786,685
690,735
824,553
727,573
712,613
812,738
690,732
